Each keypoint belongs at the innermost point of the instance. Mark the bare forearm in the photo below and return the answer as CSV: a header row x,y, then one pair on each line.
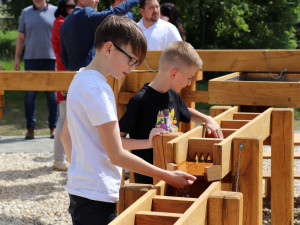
x,y
133,144
19,45
197,116
66,141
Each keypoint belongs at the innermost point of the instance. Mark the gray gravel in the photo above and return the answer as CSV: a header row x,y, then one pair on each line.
x,y
32,193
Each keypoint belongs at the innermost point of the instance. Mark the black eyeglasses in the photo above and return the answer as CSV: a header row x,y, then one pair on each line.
x,y
71,6
132,61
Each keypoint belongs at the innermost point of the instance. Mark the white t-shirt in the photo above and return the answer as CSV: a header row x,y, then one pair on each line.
x,y
90,103
160,34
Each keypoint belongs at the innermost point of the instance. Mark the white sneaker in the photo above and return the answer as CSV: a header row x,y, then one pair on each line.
x,y
60,165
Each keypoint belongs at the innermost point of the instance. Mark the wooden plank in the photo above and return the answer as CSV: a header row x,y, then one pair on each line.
x,y
247,162
297,139
226,208
156,218
244,116
268,93
244,60
160,150
233,124
218,109
267,155
36,80
135,80
194,96
227,115
259,126
197,213
282,167
201,146
142,204
171,204
267,174
177,148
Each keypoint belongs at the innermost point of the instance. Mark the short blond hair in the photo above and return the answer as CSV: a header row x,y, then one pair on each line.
x,y
180,53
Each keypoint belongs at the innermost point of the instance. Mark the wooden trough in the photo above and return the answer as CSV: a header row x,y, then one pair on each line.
x,y
224,160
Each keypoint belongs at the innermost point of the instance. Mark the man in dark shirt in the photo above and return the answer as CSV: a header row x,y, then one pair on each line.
x,y
77,31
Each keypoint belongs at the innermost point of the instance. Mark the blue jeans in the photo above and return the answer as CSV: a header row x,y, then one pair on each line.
x,y
89,212
30,97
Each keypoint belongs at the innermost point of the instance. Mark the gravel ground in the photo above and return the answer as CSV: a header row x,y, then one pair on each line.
x,y
32,193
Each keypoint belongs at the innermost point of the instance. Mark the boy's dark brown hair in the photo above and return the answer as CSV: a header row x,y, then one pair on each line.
x,y
122,31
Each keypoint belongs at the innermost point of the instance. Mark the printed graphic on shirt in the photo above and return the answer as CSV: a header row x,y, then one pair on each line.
x,y
166,119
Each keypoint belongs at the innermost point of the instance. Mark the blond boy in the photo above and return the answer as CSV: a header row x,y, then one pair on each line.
x,y
158,105
91,133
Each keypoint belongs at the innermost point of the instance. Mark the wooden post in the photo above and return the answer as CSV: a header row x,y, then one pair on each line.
x,y
160,150
226,208
282,167
250,176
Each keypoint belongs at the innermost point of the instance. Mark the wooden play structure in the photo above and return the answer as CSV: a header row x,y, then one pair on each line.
x,y
235,162
229,170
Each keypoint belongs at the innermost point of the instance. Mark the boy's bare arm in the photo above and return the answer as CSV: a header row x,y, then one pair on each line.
x,y
66,140
110,136
133,144
211,125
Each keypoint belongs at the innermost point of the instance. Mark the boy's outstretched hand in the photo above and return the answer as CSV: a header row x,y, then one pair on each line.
x,y
180,179
154,132
212,127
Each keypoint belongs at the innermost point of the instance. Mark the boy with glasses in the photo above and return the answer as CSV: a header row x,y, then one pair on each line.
x,y
91,131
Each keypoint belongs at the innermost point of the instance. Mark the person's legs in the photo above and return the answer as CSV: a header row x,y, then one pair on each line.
x,y
49,65
52,108
59,153
85,211
30,100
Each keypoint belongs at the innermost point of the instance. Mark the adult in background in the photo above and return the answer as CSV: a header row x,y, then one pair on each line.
x,y
115,3
64,8
77,31
35,29
169,13
159,33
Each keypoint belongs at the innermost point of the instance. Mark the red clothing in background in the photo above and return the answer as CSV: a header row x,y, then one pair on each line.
x,y
55,40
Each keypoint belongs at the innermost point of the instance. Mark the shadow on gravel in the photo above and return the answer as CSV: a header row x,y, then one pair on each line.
x,y
34,192
4,219
21,139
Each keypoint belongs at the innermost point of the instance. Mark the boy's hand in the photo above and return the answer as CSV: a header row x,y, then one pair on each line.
x,y
213,127
181,179
154,132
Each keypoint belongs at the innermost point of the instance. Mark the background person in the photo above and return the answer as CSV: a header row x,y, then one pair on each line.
x,y
169,13
159,33
35,30
64,8
115,3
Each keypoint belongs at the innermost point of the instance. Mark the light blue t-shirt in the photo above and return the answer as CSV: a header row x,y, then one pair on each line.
x,y
37,25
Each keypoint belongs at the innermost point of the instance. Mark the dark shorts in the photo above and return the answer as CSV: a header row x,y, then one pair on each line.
x,y
89,212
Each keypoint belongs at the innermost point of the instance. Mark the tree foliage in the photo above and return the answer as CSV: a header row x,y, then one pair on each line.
x,y
225,24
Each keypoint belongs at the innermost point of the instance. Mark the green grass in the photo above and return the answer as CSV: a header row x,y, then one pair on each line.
x,y
14,122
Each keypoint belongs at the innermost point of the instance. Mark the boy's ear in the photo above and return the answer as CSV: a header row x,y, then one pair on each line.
x,y
107,48
173,73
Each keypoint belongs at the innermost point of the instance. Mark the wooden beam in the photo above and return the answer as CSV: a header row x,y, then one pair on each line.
x,y
194,96
282,167
142,204
171,204
247,162
197,213
244,116
218,109
156,218
226,208
201,146
233,124
227,115
259,126
243,60
36,80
